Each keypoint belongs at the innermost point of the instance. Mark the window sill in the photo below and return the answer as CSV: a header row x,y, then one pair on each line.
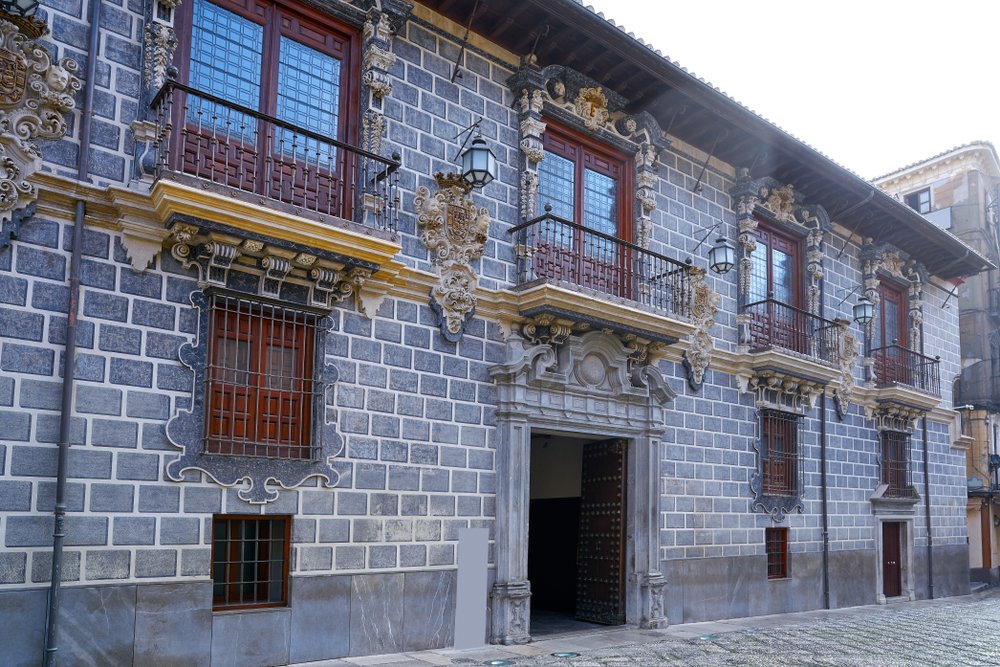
x,y
283,607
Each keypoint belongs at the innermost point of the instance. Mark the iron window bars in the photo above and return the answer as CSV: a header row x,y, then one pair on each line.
x,y
250,561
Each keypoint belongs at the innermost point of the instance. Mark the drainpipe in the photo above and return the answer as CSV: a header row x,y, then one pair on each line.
x,y
826,516
927,511
927,490
69,357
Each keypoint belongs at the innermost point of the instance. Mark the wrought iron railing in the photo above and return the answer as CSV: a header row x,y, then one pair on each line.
x,y
895,364
204,136
774,324
896,465
552,248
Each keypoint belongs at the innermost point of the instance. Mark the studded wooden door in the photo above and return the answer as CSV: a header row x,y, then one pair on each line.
x,y
892,582
600,560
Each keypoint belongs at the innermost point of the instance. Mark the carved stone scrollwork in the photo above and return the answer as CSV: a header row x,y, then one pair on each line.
x,y
36,95
591,105
532,151
705,305
454,233
159,42
547,330
276,269
895,417
879,260
377,59
767,199
847,356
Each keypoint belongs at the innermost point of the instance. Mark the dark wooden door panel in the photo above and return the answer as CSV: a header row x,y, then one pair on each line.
x,y
892,584
600,587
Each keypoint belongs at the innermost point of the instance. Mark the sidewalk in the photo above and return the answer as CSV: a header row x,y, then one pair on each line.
x,y
589,641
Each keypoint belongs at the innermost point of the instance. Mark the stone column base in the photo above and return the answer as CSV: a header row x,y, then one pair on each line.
x,y
511,612
651,600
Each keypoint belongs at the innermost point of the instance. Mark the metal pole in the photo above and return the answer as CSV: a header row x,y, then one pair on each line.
x,y
69,358
823,499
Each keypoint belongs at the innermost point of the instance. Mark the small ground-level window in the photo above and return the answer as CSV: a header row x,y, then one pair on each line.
x,y
776,545
250,561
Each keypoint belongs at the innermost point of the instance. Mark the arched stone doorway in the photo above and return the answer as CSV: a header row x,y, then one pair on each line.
x,y
601,386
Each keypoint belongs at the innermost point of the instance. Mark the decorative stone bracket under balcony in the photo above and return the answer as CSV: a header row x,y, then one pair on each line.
x,y
575,278
789,355
904,378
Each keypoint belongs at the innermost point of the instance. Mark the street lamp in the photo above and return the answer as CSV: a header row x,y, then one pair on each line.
x,y
21,8
864,311
722,256
479,164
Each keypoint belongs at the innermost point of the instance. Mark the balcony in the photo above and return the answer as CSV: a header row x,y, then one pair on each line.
x,y
571,271
233,171
777,326
896,365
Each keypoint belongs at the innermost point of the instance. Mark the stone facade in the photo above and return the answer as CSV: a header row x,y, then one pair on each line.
x,y
429,427
960,190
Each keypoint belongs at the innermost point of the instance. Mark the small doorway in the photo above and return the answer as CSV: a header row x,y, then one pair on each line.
x,y
576,534
892,569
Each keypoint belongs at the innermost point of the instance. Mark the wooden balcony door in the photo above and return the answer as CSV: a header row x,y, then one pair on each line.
x,y
587,184
777,273
890,328
294,66
600,588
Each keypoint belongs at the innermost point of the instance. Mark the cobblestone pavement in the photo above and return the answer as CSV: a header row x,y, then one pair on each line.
x,y
950,632
961,632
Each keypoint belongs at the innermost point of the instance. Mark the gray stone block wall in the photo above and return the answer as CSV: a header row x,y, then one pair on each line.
x,y
117,89
416,412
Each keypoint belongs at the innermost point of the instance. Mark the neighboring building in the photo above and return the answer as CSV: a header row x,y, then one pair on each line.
x,y
314,382
957,190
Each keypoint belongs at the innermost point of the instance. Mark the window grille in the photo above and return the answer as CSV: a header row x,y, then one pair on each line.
x,y
779,453
250,561
776,546
261,389
896,464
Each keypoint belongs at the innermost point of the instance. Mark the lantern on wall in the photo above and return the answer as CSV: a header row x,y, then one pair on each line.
x,y
479,164
722,256
864,311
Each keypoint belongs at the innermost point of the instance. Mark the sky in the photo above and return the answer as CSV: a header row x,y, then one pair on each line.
x,y
874,85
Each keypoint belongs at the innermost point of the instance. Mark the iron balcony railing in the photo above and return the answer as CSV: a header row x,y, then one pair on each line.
x,y
211,139
777,325
552,248
895,364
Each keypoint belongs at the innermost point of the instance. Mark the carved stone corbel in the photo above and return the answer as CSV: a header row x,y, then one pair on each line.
x,y
276,269
895,417
36,95
218,257
454,233
705,305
